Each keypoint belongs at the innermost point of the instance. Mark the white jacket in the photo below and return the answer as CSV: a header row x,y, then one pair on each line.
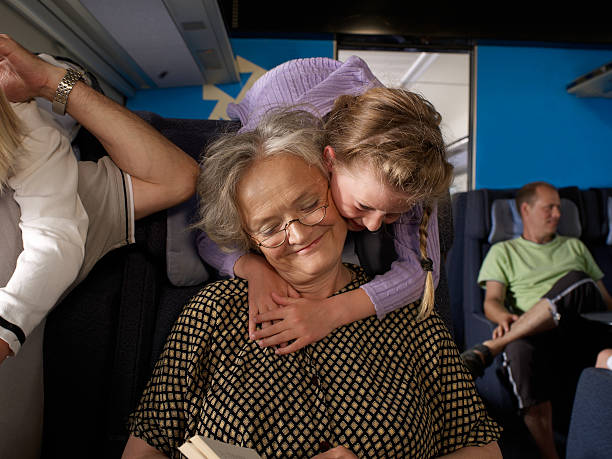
x,y
53,225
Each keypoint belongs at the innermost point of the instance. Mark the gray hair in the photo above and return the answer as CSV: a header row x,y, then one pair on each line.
x,y
10,139
280,132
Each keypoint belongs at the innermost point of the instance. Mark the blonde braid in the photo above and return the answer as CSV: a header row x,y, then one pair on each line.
x,y
427,302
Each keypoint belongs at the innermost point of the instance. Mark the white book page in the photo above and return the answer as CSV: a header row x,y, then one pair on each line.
x,y
214,448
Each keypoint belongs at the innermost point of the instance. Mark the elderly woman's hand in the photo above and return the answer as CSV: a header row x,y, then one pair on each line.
x,y
339,452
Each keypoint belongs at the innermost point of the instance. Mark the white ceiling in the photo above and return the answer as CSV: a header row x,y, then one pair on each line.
x,y
445,83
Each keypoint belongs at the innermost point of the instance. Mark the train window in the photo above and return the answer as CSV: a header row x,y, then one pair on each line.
x,y
443,78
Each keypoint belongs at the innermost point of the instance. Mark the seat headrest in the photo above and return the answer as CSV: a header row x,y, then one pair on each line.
x,y
183,263
506,220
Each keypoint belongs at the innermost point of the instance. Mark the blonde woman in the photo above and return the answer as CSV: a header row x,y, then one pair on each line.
x,y
38,167
385,157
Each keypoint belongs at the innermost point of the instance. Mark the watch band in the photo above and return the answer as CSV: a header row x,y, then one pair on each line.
x,y
63,90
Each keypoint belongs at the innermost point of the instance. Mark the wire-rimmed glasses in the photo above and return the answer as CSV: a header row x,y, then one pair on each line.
x,y
278,238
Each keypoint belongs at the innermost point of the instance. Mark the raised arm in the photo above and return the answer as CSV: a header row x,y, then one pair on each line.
x,y
162,174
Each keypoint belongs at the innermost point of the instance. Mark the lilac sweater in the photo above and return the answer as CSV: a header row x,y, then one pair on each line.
x,y
314,84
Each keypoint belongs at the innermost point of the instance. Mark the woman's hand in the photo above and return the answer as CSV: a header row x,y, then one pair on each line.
x,y
263,281
339,452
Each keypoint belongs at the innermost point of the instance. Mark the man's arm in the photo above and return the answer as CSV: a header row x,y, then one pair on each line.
x,y
495,295
495,310
162,174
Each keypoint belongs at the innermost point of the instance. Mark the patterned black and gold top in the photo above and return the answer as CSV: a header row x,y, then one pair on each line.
x,y
382,388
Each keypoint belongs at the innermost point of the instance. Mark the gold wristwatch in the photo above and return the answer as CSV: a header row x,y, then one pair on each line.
x,y
63,90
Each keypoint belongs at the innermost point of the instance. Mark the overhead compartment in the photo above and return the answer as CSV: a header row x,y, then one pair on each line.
x,y
140,44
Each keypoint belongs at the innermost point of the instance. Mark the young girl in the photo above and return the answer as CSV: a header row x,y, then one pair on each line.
x,y
39,171
386,159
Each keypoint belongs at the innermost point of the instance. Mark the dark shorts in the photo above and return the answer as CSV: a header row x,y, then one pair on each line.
x,y
538,364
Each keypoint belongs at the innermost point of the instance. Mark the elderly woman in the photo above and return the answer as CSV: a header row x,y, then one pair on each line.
x,y
392,388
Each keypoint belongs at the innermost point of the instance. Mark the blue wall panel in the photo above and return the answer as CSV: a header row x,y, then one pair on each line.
x,y
268,53
529,128
187,102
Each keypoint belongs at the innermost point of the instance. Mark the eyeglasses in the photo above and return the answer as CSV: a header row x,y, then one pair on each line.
x,y
278,238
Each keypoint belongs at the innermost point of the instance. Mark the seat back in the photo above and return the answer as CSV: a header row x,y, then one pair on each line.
x,y
454,268
590,431
102,340
598,234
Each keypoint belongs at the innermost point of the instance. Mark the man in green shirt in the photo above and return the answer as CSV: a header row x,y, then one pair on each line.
x,y
536,287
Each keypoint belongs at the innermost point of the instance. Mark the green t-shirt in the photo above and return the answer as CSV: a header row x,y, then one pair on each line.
x,y
529,270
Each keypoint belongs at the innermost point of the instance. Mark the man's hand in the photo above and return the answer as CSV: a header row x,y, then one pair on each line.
x,y
5,350
504,324
24,76
339,452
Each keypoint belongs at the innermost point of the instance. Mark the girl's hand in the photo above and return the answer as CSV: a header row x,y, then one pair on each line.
x,y
307,321
299,320
263,281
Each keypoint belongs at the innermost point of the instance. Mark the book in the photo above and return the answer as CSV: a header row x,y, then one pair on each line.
x,y
200,447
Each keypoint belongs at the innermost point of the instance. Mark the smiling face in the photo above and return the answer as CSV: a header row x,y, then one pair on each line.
x,y
276,190
541,217
362,198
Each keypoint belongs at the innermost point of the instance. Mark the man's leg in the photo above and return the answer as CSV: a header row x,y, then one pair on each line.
x,y
538,419
538,319
572,294
529,366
